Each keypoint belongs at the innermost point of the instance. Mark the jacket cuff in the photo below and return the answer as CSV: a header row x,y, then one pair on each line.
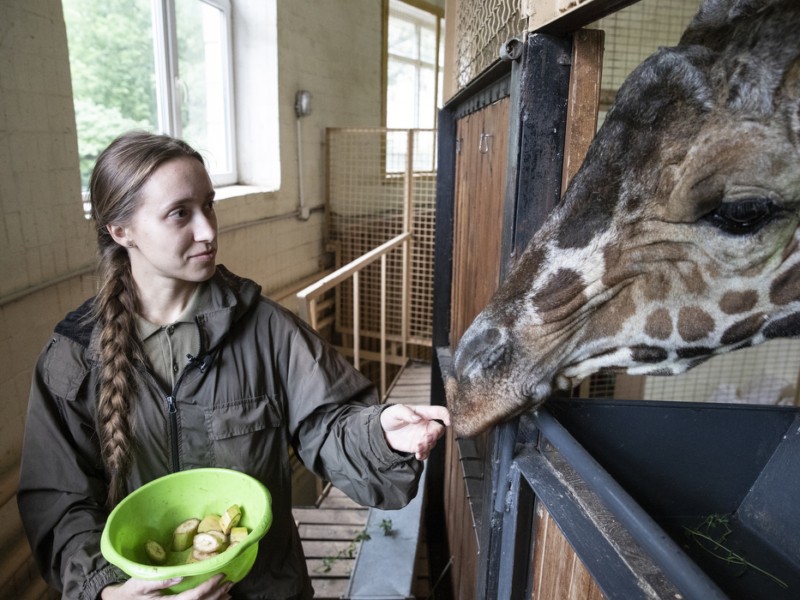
x,y
95,583
387,458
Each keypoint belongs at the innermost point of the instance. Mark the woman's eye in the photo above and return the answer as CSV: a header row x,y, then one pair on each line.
x,y
742,217
178,213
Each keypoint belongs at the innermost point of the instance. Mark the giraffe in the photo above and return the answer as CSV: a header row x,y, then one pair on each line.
x,y
678,237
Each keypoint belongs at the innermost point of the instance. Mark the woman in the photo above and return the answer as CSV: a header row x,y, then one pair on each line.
x,y
177,363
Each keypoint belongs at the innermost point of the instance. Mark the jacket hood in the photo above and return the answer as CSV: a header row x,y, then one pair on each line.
x,y
231,297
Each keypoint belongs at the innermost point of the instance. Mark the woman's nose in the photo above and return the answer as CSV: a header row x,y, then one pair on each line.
x,y
205,228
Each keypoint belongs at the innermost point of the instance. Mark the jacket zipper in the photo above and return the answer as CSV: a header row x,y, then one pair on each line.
x,y
172,409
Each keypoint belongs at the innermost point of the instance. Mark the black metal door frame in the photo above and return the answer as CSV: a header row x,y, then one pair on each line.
x,y
535,75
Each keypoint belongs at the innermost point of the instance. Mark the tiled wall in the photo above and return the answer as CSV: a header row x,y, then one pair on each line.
x,y
46,246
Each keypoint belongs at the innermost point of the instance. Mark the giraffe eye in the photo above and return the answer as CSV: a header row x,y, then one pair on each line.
x,y
742,217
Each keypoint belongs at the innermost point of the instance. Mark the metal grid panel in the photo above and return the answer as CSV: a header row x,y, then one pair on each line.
x,y
370,196
482,26
767,374
632,34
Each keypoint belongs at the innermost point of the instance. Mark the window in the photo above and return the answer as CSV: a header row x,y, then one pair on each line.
x,y
159,65
414,73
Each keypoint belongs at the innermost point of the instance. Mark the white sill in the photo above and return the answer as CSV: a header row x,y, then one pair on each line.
x,y
237,191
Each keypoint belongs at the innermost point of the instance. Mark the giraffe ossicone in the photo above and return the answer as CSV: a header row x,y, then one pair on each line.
x,y
678,237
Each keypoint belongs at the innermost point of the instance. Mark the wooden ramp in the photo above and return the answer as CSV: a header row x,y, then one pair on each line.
x,y
332,532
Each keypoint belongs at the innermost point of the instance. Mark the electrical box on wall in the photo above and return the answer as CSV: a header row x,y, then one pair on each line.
x,y
302,103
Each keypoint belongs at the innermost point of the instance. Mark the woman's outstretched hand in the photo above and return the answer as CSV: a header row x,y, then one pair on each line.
x,y
415,428
211,589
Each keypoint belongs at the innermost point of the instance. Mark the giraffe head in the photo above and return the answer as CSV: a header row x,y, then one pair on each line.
x,y
676,240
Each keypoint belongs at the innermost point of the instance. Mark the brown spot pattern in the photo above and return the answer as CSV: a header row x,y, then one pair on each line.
x,y
786,288
659,324
609,318
734,303
694,323
695,282
562,292
742,330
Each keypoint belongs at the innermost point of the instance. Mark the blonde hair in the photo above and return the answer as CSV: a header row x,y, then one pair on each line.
x,y
118,176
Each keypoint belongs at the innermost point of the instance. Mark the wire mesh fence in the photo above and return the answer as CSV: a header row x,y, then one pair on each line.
x,y
380,183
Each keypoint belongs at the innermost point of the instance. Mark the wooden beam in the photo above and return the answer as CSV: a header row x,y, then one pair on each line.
x,y
562,16
584,97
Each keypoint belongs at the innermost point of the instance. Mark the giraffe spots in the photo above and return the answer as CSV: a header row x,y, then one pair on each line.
x,y
742,330
563,290
642,353
786,287
693,351
785,327
733,303
695,282
610,317
658,286
694,323
658,324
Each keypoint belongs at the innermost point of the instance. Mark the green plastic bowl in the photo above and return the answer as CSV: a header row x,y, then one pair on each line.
x,y
155,509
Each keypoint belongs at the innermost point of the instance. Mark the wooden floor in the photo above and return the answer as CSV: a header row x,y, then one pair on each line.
x,y
331,532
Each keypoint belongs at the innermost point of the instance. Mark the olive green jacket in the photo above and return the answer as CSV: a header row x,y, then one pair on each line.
x,y
263,381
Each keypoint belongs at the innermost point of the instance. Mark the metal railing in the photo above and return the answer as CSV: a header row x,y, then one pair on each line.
x,y
309,297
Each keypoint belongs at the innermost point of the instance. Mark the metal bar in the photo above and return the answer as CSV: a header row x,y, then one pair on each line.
x,y
312,313
405,304
383,327
341,274
516,547
407,226
356,324
681,570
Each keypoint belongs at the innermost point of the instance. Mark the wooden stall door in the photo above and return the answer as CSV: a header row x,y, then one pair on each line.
x,y
480,179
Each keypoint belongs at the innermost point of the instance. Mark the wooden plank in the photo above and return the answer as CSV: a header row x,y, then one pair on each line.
x,y
479,195
326,569
329,532
324,548
584,99
335,516
562,16
558,573
340,503
329,589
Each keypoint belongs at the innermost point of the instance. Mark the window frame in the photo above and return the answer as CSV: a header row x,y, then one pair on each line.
x,y
438,14
168,96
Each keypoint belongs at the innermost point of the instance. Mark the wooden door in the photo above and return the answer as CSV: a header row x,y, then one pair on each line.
x,y
480,179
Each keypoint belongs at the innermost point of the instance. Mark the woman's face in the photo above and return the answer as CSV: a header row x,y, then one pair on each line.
x,y
173,233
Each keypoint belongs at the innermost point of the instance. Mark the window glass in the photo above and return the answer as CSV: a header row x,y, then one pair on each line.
x,y
413,76
158,65
402,37
201,80
113,75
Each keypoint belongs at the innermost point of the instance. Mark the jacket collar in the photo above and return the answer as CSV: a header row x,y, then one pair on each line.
x,y
231,297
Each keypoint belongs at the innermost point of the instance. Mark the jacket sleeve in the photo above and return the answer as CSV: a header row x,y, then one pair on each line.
x,y
334,420
61,495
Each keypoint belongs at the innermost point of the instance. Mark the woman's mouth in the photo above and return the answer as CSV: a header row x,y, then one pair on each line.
x,y
208,255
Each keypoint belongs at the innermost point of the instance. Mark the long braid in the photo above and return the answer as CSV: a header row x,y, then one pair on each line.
x,y
121,350
119,174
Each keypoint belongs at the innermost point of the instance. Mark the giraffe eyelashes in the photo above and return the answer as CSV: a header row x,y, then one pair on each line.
x,y
744,216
